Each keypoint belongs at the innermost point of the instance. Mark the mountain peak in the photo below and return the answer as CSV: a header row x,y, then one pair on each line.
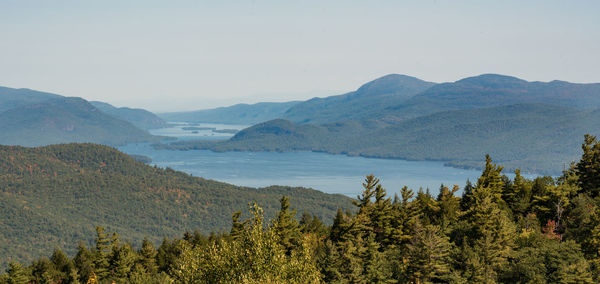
x,y
492,80
393,83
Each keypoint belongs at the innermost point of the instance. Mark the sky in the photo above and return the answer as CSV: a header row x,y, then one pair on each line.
x,y
187,55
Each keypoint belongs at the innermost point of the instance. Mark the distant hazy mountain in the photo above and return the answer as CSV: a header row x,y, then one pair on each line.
x,y
54,196
363,103
534,137
12,98
61,120
535,126
490,90
236,114
138,117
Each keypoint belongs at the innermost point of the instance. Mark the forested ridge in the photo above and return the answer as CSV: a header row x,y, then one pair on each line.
x,y
518,136
54,196
33,118
501,230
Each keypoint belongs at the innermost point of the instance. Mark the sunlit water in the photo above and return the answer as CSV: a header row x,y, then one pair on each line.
x,y
325,172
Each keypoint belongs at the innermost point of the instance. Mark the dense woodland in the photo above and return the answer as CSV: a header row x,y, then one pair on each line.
x,y
55,196
545,230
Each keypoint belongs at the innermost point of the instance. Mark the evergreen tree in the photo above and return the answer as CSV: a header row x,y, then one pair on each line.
x,y
467,197
518,195
84,263
122,260
428,254
237,227
381,217
43,271
492,236
17,274
104,245
491,178
377,268
312,224
341,227
147,257
588,168
67,273
285,227
449,208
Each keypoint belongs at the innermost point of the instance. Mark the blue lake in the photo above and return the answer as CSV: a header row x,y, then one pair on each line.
x,y
325,172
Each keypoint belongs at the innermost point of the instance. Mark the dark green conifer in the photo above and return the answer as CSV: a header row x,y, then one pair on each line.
x,y
285,227
588,168
17,274
147,257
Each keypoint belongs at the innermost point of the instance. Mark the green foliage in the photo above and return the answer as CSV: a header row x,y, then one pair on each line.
x,y
54,196
428,255
545,230
255,257
588,168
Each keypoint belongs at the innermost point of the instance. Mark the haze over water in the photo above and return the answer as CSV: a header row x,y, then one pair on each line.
x,y
329,173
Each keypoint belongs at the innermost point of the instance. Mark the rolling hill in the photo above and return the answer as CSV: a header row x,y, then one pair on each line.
x,y
245,114
62,120
54,196
361,104
12,98
32,118
141,118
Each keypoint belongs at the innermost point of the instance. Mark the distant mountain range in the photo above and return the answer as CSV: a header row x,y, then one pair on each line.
x,y
491,90
534,126
33,118
54,196
244,114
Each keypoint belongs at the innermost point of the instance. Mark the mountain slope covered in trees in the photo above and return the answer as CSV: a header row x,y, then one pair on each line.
x,y
500,230
31,118
12,98
361,104
55,195
245,114
141,118
63,120
519,136
491,90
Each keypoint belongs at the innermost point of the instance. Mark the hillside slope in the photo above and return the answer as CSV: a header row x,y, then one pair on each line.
x,y
141,118
12,98
490,90
363,103
54,196
237,114
62,120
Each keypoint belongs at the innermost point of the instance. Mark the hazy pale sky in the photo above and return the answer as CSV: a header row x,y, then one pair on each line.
x,y
184,55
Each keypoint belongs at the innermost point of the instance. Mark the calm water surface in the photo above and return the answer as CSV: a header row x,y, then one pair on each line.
x,y
325,172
